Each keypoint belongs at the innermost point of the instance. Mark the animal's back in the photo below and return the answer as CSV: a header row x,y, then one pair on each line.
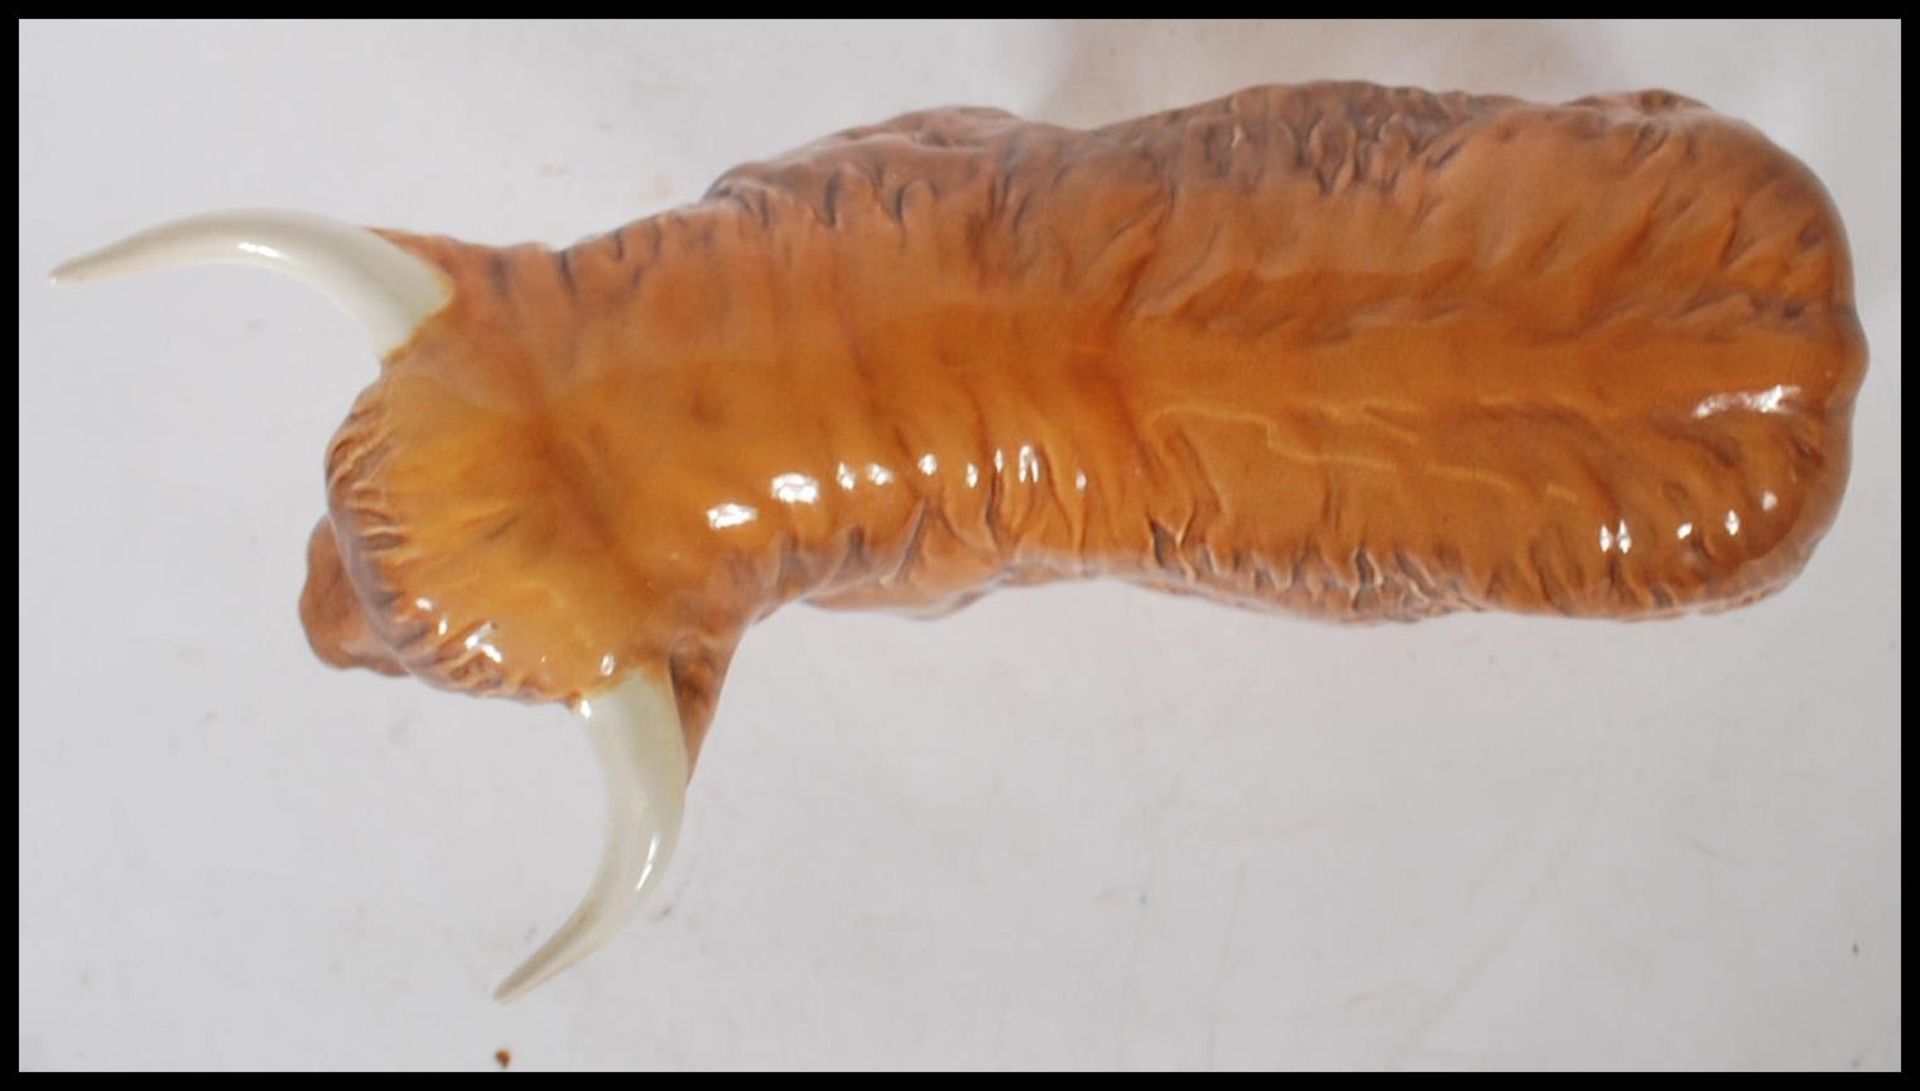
x,y
1371,352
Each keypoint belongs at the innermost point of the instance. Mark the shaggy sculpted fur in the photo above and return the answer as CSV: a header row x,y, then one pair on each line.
x,y
1343,350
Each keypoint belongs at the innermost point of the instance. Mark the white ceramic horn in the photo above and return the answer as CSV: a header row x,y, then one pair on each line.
x,y
387,289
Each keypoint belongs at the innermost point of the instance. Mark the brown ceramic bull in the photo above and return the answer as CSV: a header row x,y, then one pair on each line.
x,y
1349,351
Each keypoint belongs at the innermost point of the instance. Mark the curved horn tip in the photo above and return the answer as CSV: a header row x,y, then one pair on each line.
x,y
389,290
642,751
72,271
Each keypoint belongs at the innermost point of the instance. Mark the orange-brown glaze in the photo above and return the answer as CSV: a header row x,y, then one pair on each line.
x,y
1348,351
337,627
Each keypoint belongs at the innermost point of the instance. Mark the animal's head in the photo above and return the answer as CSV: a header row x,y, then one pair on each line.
x,y
471,542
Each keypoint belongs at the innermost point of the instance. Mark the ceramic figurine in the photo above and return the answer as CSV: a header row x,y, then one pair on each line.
x,y
1346,351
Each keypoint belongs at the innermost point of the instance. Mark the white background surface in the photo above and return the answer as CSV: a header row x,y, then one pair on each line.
x,y
1077,826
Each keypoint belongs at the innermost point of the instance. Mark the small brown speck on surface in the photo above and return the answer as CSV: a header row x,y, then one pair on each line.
x,y
503,1057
